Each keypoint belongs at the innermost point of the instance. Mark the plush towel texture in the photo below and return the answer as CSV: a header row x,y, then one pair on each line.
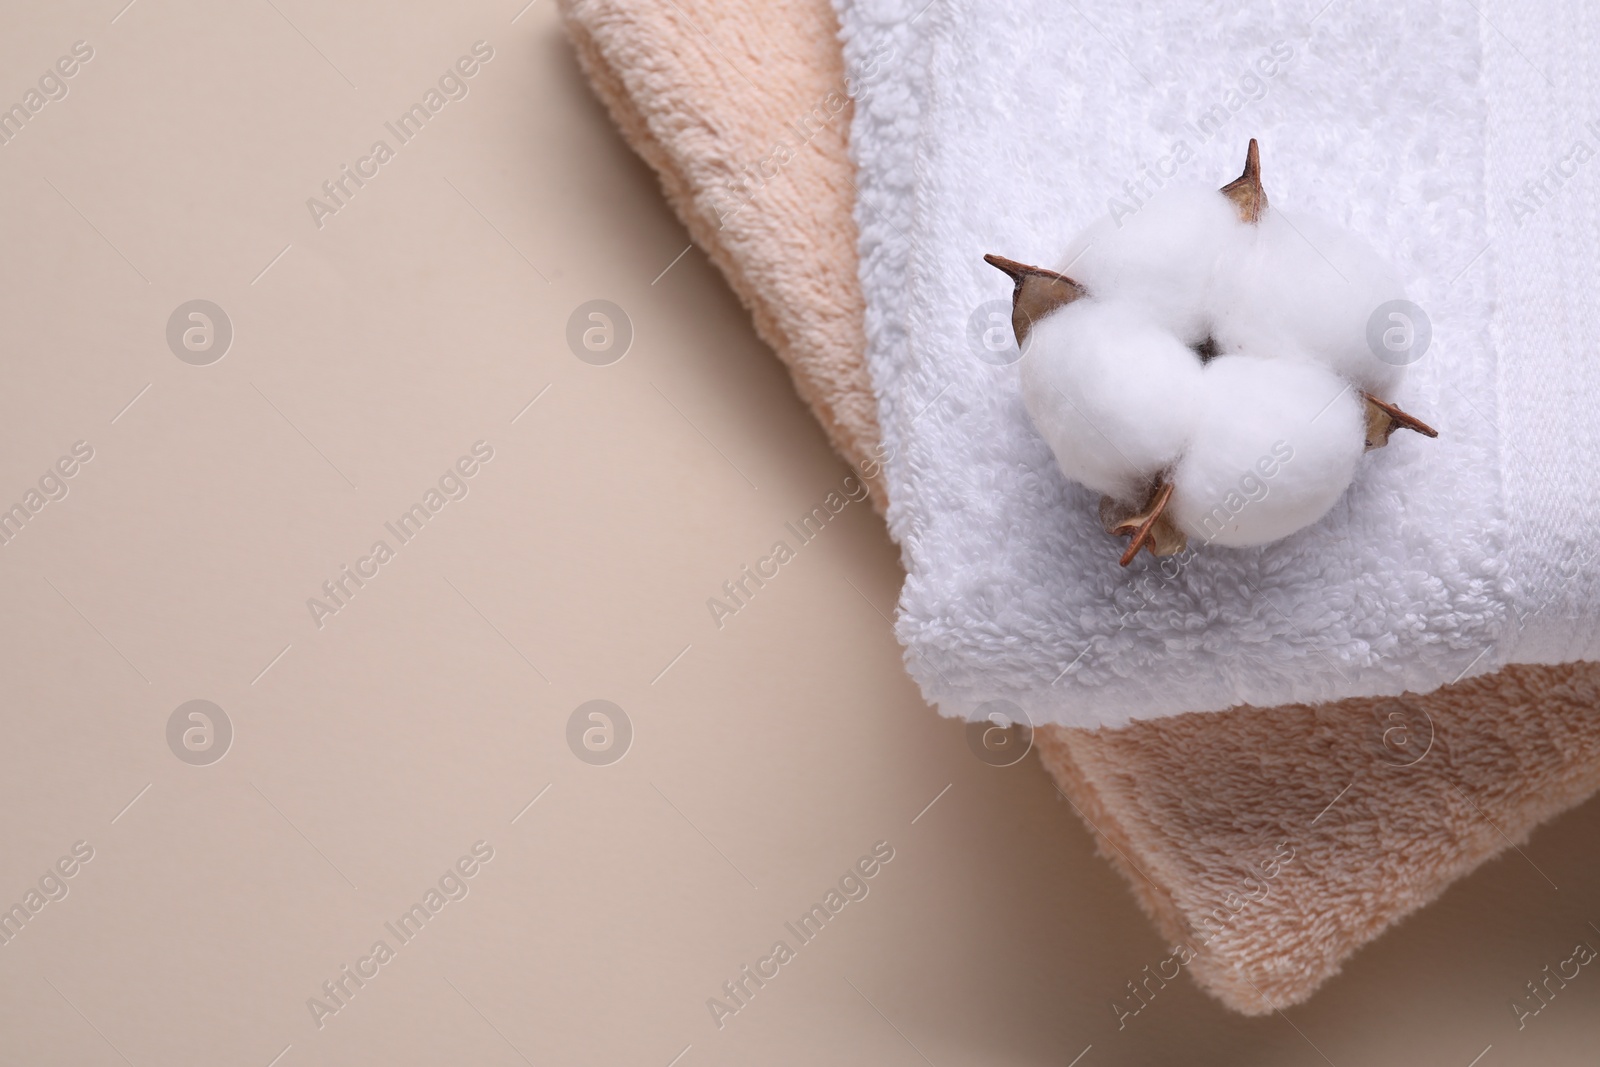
x,y
1030,120
736,137
1186,807
1272,843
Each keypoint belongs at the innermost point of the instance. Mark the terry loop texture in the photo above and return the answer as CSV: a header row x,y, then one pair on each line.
x,y
1190,807
747,134
1180,805
1027,126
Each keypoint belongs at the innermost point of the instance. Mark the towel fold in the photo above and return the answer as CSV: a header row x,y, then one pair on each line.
x,y
1009,129
1186,807
1269,844
736,158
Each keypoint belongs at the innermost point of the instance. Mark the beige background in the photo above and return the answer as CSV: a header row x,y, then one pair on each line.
x,y
371,753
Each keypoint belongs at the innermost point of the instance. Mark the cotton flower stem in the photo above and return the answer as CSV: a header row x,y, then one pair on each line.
x,y
1150,528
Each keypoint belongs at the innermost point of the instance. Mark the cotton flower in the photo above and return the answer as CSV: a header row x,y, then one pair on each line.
x,y
1206,366
1109,366
1255,414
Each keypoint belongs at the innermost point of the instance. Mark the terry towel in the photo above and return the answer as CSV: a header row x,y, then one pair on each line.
x,y
713,136
1007,129
1181,806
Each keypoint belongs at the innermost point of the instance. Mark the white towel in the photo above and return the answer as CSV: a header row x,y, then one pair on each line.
x,y
1007,128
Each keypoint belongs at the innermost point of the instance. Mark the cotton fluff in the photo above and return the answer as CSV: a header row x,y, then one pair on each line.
x,y
1226,358
1111,393
1164,259
1276,441
1300,283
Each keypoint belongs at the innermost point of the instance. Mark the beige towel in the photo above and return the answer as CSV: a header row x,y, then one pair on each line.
x,y
1267,844
708,125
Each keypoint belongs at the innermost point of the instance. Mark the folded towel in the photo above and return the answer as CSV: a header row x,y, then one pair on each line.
x,y
719,142
1182,806
1447,558
1269,844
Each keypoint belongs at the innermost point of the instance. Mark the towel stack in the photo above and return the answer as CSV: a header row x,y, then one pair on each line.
x,y
745,111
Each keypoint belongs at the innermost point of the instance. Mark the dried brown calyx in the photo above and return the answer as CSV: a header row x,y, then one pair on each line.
x,y
1383,419
1037,291
1245,191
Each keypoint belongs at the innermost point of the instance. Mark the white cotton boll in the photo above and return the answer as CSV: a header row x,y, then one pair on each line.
x,y
1275,445
1161,259
1303,285
1112,395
